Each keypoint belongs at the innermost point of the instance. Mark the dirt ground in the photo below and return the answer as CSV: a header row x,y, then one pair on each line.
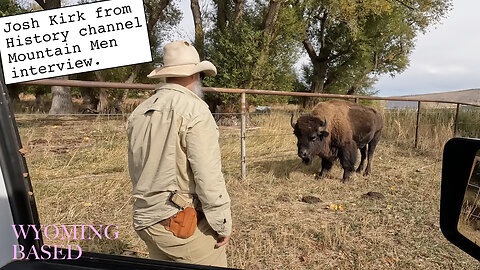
x,y
283,217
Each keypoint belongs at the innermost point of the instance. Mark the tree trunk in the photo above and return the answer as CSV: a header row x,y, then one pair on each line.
x,y
49,4
238,12
90,101
61,99
222,10
320,69
154,12
318,81
14,91
39,101
272,16
131,79
199,35
268,33
104,103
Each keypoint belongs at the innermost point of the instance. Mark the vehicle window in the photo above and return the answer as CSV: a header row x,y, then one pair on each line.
x,y
469,221
282,214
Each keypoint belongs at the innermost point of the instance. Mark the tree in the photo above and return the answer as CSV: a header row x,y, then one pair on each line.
x,y
350,42
10,7
199,35
253,45
7,8
61,96
162,16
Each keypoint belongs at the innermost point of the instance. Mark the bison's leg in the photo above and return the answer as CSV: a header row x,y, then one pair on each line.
x,y
363,152
326,166
348,158
371,148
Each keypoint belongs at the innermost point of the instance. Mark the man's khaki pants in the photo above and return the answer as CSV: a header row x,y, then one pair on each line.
x,y
197,249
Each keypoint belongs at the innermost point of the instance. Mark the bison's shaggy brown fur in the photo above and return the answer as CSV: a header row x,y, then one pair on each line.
x,y
336,129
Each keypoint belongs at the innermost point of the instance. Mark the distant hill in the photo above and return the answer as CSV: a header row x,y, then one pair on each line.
x,y
466,96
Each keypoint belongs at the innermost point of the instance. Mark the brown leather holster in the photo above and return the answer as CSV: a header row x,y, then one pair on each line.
x,y
184,223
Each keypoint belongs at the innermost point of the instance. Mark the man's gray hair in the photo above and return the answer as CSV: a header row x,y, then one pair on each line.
x,y
197,88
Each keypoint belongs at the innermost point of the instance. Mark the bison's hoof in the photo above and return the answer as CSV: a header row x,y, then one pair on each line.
x,y
318,176
366,173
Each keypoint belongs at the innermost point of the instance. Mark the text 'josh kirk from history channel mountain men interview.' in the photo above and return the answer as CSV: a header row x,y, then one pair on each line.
x,y
73,39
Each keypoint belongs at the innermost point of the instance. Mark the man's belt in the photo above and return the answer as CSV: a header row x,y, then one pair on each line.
x,y
182,200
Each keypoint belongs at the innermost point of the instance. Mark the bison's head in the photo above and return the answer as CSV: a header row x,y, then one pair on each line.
x,y
311,134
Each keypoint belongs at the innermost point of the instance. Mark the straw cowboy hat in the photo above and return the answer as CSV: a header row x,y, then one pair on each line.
x,y
180,59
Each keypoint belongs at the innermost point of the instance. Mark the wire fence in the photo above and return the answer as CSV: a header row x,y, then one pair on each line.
x,y
65,139
247,137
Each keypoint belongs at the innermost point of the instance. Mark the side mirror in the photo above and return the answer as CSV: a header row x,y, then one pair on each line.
x,y
460,194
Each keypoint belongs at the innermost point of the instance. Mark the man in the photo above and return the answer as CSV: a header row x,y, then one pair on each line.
x,y
173,152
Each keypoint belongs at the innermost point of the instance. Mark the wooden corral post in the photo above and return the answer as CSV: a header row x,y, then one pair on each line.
x,y
456,119
418,123
243,133
356,100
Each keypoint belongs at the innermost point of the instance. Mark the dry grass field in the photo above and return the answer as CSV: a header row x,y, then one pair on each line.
x,y
78,167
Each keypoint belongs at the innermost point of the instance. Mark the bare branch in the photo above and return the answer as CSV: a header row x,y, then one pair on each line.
x,y
49,4
199,35
405,4
338,54
310,50
322,28
41,3
149,7
272,16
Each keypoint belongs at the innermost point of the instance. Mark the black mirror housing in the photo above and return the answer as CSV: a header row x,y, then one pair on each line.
x,y
458,157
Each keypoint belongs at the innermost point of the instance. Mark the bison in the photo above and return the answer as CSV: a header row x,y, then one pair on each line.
x,y
336,129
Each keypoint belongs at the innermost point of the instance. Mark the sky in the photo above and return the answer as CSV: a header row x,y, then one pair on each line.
x,y
446,58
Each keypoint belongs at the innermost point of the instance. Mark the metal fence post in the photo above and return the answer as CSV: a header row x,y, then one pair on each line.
x,y
418,123
242,134
456,120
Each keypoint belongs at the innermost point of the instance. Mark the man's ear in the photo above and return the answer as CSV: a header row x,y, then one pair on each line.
x,y
323,134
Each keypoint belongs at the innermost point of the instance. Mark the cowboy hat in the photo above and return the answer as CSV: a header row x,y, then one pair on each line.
x,y
180,59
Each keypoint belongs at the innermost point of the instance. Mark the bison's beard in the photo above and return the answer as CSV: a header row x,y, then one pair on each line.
x,y
307,160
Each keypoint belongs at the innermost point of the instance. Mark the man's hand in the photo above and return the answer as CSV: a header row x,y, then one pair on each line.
x,y
222,241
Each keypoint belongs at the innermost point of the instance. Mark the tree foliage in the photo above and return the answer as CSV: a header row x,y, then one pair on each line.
x,y
253,45
351,42
162,16
10,7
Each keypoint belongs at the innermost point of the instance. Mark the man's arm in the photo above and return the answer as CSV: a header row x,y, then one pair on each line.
x,y
203,153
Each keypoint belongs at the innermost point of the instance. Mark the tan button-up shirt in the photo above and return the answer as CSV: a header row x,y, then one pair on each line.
x,y
173,145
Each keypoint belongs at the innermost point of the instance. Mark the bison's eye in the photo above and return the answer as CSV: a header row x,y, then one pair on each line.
x,y
313,138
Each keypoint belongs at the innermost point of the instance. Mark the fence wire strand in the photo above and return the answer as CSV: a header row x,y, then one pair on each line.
x,y
262,128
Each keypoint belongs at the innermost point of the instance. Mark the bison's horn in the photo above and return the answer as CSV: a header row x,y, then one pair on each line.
x,y
291,122
324,126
